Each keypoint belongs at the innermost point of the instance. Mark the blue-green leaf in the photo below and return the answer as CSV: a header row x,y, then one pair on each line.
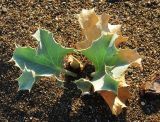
x,y
103,52
48,47
27,57
26,80
84,85
46,60
106,83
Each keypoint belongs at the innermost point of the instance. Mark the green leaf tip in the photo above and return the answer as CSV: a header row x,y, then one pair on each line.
x,y
84,85
26,80
106,83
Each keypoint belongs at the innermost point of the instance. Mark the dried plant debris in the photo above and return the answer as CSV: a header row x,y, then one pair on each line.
x,y
152,86
74,62
93,25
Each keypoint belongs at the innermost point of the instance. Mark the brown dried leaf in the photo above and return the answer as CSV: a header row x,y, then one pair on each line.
x,y
152,86
120,39
156,86
116,102
93,25
74,63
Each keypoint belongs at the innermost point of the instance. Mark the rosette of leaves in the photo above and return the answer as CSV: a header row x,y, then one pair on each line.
x,y
100,47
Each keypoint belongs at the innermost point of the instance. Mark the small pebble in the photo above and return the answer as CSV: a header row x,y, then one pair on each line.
x,y
142,103
4,9
46,7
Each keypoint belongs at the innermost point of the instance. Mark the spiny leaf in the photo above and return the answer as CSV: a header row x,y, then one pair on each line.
x,y
116,102
84,85
93,26
115,93
97,53
46,60
26,56
111,84
107,83
120,70
26,80
48,47
103,52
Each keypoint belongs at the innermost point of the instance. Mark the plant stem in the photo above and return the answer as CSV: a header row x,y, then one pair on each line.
x,y
69,73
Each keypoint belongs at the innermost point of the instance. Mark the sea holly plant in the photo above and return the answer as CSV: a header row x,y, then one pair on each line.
x,y
101,47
